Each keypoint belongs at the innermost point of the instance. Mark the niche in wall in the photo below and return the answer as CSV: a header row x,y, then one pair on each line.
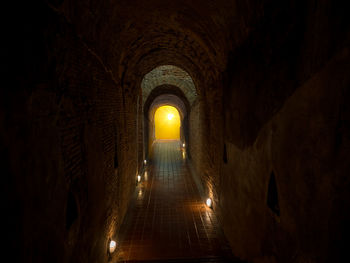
x,y
225,154
272,195
71,210
115,157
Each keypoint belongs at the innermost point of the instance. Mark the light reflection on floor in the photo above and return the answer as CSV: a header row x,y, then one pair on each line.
x,y
169,219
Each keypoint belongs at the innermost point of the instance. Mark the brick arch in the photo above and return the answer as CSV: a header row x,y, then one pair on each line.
x,y
167,99
169,46
157,92
169,75
160,96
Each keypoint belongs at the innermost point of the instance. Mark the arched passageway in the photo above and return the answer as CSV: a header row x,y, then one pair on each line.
x,y
262,90
168,217
166,85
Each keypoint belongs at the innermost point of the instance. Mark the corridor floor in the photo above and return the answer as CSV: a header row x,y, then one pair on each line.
x,y
168,220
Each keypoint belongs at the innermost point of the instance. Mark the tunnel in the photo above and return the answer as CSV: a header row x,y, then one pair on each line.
x,y
167,123
175,131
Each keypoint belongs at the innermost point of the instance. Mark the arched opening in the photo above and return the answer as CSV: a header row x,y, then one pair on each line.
x,y
167,123
162,96
166,85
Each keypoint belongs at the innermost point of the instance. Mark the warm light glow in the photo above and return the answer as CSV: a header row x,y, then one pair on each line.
x,y
183,145
139,178
145,161
167,123
146,176
209,203
112,246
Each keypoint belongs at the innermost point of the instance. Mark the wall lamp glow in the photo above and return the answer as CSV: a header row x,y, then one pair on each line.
x,y
145,161
112,246
209,202
183,145
139,178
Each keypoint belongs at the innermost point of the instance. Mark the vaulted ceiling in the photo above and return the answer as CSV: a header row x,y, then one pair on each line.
x,y
169,75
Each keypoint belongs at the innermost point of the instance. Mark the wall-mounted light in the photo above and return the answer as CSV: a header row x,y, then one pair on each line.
x,y
139,178
183,145
112,246
145,161
209,202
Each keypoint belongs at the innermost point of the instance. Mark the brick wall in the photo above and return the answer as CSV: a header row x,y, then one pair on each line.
x,y
63,126
285,123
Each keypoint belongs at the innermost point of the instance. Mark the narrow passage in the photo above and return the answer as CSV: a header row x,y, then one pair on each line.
x,y
168,220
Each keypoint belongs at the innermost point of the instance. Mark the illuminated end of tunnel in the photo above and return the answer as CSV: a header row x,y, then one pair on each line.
x,y
167,123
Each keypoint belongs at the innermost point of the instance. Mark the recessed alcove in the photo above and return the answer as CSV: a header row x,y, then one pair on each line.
x,y
71,210
272,195
225,154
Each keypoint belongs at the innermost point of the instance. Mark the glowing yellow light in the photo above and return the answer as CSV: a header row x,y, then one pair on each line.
x,y
145,161
112,246
209,202
183,145
184,155
139,178
167,123
146,176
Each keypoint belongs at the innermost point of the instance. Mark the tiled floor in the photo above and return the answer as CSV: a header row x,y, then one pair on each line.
x,y
168,221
